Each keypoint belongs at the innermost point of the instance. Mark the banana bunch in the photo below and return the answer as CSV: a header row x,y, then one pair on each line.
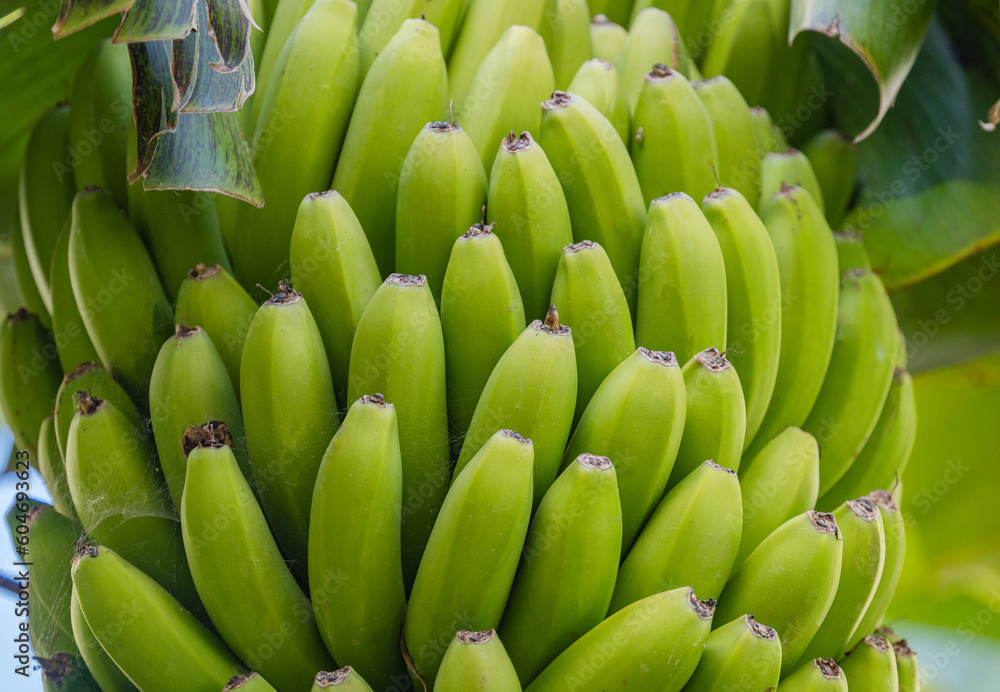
x,y
556,390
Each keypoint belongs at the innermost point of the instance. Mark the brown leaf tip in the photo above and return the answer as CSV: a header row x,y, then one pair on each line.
x,y
470,637
559,99
659,357
760,630
594,461
824,522
211,434
326,679
704,609
406,280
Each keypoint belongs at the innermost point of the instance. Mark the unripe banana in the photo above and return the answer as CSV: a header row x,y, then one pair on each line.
x,y
212,299
748,31
770,139
25,291
568,566
107,674
619,11
344,679
598,83
50,465
29,377
70,334
808,270
531,389
513,78
286,16
789,167
906,667
606,36
596,309
818,675
834,160
697,20
861,569
399,352
635,418
691,538
673,143
158,644
476,661
442,190
189,386
115,284
654,644
682,280
481,316
355,568
851,251
859,376
653,38
871,665
468,567
602,192
406,88
566,27
741,655
739,160
384,17
248,682
290,415
753,287
45,194
51,547
790,581
716,416
302,125
251,597
528,211
779,483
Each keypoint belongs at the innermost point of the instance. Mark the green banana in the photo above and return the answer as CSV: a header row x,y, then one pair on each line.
x,y
442,165
402,320
779,483
789,167
715,423
107,674
513,78
189,386
50,465
808,271
531,389
468,567
598,83
528,211
653,38
741,655
834,160
248,682
158,644
355,568
871,665
384,17
566,28
906,667
670,124
851,252
747,31
212,299
595,307
29,377
682,280
860,374
619,11
753,287
691,538
26,292
405,89
770,139
70,334
635,418
602,192
863,561
606,37
697,20
739,160
115,284
568,567
476,661
479,289
241,577
347,679
790,581
302,124
818,675
289,412
45,194
653,644
51,547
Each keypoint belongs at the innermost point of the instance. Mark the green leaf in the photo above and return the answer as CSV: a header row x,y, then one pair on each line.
x,y
152,99
152,20
77,14
230,22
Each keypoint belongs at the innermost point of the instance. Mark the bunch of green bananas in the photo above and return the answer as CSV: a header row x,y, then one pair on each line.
x,y
522,414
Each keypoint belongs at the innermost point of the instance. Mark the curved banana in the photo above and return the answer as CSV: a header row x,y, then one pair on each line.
x,y
468,567
597,82
871,665
442,191
24,291
691,538
283,20
344,679
653,644
606,36
652,38
818,675
355,564
906,667
568,567
384,18
566,28
51,547
476,661
789,167
770,138
528,212
834,160
68,329
851,251
635,418
682,280
748,30
741,655
53,470
29,377
481,316
107,674
739,160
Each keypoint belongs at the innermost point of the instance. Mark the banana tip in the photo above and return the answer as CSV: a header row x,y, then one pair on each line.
x,y
559,99
828,668
211,434
330,678
86,403
659,357
594,461
864,508
406,280
239,680
883,499
760,630
202,271
704,609
469,637
824,522
514,143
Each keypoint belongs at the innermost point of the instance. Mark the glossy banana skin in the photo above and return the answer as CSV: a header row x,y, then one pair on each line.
x,y
355,567
606,36
598,83
566,27
384,17
735,137
789,167
906,667
68,329
748,31
149,635
399,352
770,138
24,291
468,567
691,538
528,211
281,23
654,644
107,674
568,567
636,419
818,675
476,661
481,316
653,38
29,376
741,655
50,464
834,161
871,665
